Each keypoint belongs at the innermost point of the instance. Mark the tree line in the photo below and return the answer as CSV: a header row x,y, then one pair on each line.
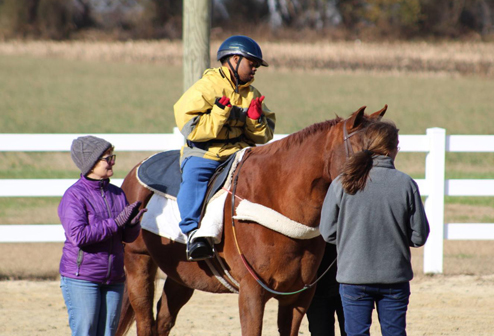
x,y
296,19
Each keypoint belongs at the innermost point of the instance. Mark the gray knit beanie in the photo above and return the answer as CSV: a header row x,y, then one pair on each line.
x,y
87,150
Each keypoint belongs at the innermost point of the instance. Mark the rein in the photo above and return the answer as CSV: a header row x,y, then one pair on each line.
x,y
242,256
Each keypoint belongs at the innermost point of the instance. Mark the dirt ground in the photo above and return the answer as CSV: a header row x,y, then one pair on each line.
x,y
440,305
460,302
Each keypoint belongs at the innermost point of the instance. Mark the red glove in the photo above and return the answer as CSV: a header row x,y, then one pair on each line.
x,y
223,102
255,108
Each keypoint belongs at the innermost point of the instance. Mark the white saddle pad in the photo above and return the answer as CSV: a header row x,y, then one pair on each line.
x,y
163,216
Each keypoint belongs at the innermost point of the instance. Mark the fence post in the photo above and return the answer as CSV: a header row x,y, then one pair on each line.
x,y
434,204
196,39
179,139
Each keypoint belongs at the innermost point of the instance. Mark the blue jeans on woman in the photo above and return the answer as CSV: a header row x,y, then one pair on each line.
x,y
94,308
391,301
196,173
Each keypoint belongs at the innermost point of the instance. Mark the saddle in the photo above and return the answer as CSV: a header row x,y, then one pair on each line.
x,y
161,174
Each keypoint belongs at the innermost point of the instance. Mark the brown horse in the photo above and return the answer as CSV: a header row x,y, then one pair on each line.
x,y
290,176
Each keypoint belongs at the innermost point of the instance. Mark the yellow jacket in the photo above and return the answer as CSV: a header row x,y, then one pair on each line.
x,y
215,133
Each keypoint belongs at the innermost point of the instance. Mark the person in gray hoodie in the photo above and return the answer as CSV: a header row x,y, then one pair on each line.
x,y
97,219
374,214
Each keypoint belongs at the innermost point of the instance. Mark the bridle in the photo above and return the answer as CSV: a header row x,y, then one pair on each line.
x,y
346,137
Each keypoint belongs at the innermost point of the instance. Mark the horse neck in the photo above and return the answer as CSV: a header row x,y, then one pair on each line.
x,y
306,157
298,173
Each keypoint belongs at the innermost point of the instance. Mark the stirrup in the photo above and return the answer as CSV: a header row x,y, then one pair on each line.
x,y
198,248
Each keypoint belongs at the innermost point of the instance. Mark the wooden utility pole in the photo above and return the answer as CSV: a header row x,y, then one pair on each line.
x,y
196,39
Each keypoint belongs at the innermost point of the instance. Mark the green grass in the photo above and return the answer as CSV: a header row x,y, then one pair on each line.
x,y
460,105
65,96
57,165
478,201
29,210
62,96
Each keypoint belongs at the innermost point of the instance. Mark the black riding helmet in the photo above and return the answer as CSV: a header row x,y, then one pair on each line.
x,y
243,46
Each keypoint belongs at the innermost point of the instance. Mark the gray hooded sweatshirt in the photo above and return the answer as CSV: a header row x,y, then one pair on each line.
x,y
374,229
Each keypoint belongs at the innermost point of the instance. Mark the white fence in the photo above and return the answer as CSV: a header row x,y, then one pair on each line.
x,y
435,143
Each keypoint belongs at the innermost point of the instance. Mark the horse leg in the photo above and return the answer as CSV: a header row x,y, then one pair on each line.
x,y
141,272
251,304
174,297
290,314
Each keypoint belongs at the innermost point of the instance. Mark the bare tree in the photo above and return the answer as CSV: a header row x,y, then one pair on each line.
x,y
304,13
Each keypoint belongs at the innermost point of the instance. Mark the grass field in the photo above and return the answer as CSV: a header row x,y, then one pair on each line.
x,y
131,88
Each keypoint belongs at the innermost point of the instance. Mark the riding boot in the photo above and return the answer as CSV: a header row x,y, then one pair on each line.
x,y
198,248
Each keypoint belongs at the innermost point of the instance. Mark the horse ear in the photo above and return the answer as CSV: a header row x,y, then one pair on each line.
x,y
379,114
356,118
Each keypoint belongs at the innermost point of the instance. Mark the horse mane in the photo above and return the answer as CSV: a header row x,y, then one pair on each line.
x,y
298,137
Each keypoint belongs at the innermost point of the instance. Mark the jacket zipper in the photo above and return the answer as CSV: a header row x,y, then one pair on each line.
x,y
80,256
111,240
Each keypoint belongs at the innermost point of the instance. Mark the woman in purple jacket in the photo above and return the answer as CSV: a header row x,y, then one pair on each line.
x,y
97,221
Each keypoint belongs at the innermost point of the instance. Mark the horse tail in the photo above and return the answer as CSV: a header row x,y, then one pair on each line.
x,y
127,314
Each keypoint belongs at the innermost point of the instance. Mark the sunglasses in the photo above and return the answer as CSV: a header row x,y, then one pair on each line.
x,y
254,63
109,159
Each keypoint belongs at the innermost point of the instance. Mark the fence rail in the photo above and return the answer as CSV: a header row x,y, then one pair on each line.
x,y
435,143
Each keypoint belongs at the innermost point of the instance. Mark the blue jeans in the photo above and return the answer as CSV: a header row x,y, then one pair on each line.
x,y
196,173
391,301
94,309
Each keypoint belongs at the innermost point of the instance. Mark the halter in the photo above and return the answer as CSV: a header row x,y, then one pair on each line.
x,y
242,256
346,136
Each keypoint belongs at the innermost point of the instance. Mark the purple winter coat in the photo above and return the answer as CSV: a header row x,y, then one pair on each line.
x,y
93,249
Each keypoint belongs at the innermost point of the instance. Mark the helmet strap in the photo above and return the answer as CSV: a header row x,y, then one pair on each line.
x,y
235,71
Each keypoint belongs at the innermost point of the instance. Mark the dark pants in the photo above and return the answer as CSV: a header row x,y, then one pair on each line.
x,y
321,316
326,301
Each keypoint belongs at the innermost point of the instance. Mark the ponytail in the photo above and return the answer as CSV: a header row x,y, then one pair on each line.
x,y
355,171
380,138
